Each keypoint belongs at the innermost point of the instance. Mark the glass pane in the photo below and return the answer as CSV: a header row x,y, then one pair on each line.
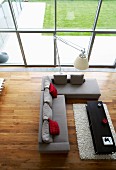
x,y
68,54
76,14
37,14
103,52
6,20
39,50
1,40
11,47
107,17
17,8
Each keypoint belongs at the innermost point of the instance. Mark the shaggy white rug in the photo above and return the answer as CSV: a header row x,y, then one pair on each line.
x,y
84,139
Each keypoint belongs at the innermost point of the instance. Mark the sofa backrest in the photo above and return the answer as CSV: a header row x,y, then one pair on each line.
x,y
41,117
43,82
74,79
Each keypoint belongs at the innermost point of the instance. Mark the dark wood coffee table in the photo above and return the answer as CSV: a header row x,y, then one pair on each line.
x,y
101,133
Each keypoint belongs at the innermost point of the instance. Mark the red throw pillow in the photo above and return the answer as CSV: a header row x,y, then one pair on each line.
x,y
54,127
53,90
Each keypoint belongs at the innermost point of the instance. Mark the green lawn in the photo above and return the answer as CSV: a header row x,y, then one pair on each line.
x,y
73,14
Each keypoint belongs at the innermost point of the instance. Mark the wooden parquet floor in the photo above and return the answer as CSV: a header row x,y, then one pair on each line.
x,y
19,123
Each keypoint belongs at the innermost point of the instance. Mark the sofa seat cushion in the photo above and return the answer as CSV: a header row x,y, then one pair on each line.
x,y
59,115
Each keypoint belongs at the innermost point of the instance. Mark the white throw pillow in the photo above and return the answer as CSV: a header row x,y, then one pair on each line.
x,y
46,137
47,97
47,111
47,83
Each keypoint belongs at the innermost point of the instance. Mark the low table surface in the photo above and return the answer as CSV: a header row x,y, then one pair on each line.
x,y
101,133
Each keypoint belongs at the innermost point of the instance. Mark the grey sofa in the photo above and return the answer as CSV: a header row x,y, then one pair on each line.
x,y
60,142
88,89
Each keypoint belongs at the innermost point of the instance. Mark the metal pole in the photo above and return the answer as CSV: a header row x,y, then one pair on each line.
x,y
58,56
94,27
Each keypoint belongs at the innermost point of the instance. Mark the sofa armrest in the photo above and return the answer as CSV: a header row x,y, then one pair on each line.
x,y
63,147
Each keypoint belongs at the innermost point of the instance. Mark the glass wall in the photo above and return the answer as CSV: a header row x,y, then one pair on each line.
x,y
103,52
38,48
12,48
5,16
37,15
27,31
67,53
76,14
107,16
